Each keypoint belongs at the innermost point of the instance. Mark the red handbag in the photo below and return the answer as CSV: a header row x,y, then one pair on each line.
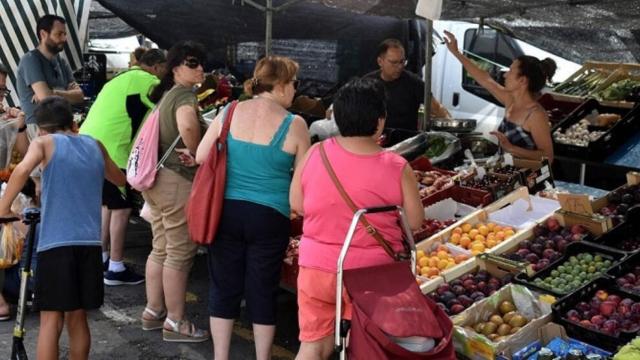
x,y
204,207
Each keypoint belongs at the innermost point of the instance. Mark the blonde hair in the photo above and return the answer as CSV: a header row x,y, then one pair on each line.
x,y
269,71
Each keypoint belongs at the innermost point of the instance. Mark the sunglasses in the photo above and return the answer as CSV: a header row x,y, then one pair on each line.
x,y
192,63
5,91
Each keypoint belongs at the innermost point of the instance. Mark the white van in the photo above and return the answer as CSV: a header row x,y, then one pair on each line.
x,y
494,51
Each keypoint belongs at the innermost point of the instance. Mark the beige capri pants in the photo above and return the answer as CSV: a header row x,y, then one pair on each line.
x,y
172,246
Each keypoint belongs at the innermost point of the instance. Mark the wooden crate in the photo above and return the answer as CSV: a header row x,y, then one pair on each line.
x,y
607,70
430,285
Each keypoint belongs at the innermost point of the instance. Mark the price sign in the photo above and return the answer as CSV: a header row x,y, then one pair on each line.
x,y
579,204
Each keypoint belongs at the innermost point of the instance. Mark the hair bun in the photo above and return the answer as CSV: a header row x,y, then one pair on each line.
x,y
549,68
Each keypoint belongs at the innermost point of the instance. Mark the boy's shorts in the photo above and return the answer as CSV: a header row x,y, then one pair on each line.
x,y
317,304
69,278
113,198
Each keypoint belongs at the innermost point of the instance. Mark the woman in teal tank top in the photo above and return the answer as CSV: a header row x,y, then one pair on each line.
x,y
265,143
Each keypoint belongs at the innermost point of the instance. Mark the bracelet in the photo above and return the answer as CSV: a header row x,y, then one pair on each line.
x,y
22,128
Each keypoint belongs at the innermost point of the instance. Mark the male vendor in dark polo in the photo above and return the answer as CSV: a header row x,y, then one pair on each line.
x,y
405,90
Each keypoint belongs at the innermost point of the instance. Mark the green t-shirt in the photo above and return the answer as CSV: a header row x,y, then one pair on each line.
x,y
171,101
118,112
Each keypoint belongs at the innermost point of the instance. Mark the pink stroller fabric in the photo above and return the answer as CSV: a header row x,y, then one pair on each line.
x,y
388,302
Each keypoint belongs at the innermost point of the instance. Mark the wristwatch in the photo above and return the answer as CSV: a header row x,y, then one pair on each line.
x,y
22,128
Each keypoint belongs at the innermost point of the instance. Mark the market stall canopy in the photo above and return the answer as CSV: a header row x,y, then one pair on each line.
x,y
579,30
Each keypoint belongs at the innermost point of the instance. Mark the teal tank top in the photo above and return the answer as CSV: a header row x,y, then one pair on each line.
x,y
260,173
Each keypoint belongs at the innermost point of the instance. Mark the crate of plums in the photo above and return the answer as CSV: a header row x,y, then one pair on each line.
x,y
606,212
581,263
462,290
600,314
625,237
627,275
544,244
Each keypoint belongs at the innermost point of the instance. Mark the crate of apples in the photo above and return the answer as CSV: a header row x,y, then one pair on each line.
x,y
432,264
480,237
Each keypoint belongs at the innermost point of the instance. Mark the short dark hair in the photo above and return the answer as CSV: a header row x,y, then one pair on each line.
x,y
46,23
139,52
389,44
536,71
358,106
152,57
54,114
4,70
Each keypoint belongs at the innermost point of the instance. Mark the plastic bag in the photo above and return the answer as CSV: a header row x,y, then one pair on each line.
x,y
11,244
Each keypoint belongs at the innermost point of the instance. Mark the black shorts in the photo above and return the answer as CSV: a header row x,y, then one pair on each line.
x,y
69,278
113,198
245,261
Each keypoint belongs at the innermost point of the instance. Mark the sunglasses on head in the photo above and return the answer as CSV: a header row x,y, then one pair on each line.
x,y
192,63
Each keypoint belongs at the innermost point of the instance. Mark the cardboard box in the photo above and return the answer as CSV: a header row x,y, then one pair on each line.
x,y
546,334
478,347
534,174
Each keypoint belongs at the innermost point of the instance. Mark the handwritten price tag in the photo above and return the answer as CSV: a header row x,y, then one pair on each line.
x,y
579,204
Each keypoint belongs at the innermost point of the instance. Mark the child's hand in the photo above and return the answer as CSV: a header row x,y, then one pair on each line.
x,y
186,158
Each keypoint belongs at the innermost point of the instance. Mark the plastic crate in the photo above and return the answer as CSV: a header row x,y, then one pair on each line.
x,y
614,136
557,110
623,268
592,336
616,237
573,249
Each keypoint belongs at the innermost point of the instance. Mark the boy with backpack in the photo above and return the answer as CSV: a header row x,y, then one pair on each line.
x,y
69,277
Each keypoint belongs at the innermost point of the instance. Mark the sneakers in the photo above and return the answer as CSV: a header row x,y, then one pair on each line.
x,y
126,277
105,266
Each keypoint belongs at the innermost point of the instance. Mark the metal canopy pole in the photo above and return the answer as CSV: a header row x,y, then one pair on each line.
x,y
269,10
426,120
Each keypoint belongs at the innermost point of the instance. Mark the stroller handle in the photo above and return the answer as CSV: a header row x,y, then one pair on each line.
x,y
339,343
7,220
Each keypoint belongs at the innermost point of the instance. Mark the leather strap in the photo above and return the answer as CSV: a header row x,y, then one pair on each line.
x,y
368,227
226,124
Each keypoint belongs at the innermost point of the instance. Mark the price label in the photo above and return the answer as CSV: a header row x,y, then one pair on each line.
x,y
579,204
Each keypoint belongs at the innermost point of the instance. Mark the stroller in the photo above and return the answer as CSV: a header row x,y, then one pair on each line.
x,y
388,308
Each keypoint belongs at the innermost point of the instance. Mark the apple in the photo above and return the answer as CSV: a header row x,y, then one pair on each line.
x,y
607,308
552,224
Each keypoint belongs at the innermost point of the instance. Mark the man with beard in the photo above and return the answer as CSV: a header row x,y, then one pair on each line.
x,y
42,72
405,90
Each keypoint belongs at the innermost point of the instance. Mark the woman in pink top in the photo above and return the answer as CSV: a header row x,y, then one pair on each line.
x,y
371,177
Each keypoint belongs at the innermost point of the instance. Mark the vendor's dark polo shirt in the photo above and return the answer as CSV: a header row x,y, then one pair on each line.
x,y
35,67
404,96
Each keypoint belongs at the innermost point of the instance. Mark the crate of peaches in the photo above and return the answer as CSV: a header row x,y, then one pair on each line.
x,y
434,260
480,237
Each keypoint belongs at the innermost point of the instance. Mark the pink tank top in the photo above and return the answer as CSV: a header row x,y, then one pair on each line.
x,y
370,180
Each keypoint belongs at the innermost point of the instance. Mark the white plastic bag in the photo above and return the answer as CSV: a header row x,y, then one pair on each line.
x,y
8,135
145,212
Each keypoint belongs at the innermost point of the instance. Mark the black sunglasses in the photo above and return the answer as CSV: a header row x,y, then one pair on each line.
x,y
5,91
192,63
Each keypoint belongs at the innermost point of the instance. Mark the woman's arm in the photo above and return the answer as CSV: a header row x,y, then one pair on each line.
x,y
208,139
411,199
296,197
188,127
482,77
301,133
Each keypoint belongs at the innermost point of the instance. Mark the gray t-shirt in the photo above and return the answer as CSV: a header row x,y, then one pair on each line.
x,y
35,67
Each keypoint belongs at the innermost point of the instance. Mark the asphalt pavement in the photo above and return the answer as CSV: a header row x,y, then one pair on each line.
x,y
116,329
